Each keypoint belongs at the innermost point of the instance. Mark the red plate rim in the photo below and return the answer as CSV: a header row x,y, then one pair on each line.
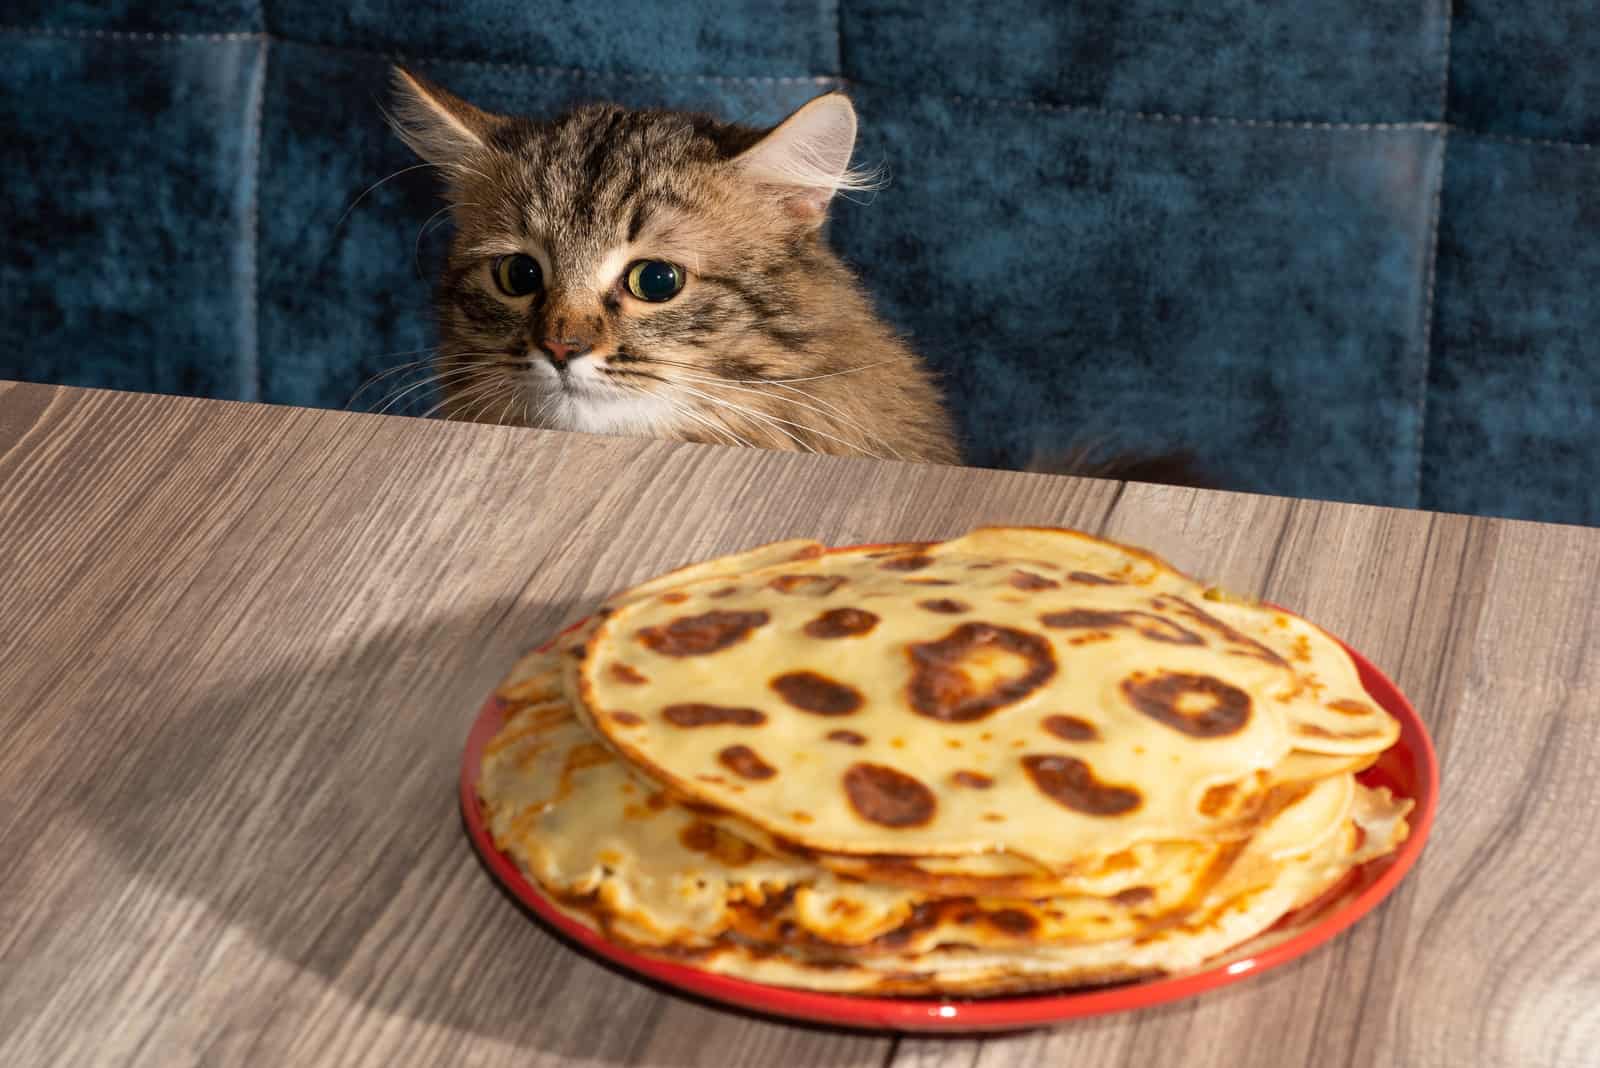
x,y
1409,768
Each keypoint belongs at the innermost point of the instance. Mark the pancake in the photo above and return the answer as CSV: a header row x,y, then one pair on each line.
x,y
851,704
1016,760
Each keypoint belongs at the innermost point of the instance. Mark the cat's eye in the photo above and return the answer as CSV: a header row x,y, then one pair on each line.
x,y
517,275
654,280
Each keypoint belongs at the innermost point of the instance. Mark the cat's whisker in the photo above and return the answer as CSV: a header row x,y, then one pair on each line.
x,y
775,381
719,429
434,360
388,373
430,380
375,185
483,406
847,371
774,421
416,250
471,390
831,412
511,402
693,416
752,413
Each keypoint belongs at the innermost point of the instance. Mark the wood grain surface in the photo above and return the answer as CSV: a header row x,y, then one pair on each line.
x,y
241,646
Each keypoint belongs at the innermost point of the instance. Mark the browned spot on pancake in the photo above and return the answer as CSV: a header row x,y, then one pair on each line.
x,y
1216,800
888,797
713,841
1121,860
627,719
742,761
975,779
911,562
1134,895
1351,708
658,801
700,807
994,817
700,635
847,737
1070,782
1243,644
802,817
841,623
586,755
811,692
1071,728
945,605
981,567
726,591
1011,921
1027,580
1312,730
696,714
953,743
1090,637
807,585
674,597
698,837
1087,578
1145,624
625,674
1200,706
941,689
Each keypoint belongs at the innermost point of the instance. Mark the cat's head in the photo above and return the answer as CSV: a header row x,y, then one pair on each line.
x,y
616,270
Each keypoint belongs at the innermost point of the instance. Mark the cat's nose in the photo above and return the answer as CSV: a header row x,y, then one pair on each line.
x,y
562,350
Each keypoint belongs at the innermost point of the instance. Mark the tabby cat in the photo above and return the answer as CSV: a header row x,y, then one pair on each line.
x,y
661,274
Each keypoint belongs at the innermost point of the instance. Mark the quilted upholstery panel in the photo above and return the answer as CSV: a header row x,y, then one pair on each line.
x,y
128,192
1514,405
1526,68
1350,60
1251,292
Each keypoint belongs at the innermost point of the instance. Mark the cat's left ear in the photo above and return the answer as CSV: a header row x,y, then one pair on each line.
x,y
805,159
439,126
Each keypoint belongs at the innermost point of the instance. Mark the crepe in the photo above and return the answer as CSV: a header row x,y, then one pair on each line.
x,y
1023,758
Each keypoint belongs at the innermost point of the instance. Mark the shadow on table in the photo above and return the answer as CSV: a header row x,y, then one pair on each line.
x,y
313,805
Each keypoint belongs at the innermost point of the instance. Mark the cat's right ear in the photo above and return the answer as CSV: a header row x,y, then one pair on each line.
x,y
438,126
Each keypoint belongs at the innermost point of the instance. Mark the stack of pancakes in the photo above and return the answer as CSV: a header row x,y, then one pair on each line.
x,y
1020,759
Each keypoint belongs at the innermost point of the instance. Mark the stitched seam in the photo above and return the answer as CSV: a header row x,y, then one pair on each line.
x,y
1537,142
838,39
827,79
1196,120
257,107
126,35
1431,286
1427,318
1444,72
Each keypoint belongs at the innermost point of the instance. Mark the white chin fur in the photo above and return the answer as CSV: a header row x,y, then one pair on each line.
x,y
591,404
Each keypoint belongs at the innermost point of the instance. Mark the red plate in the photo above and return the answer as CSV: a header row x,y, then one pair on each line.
x,y
1408,768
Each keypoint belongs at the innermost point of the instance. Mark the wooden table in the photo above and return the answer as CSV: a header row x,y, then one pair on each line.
x,y
240,648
